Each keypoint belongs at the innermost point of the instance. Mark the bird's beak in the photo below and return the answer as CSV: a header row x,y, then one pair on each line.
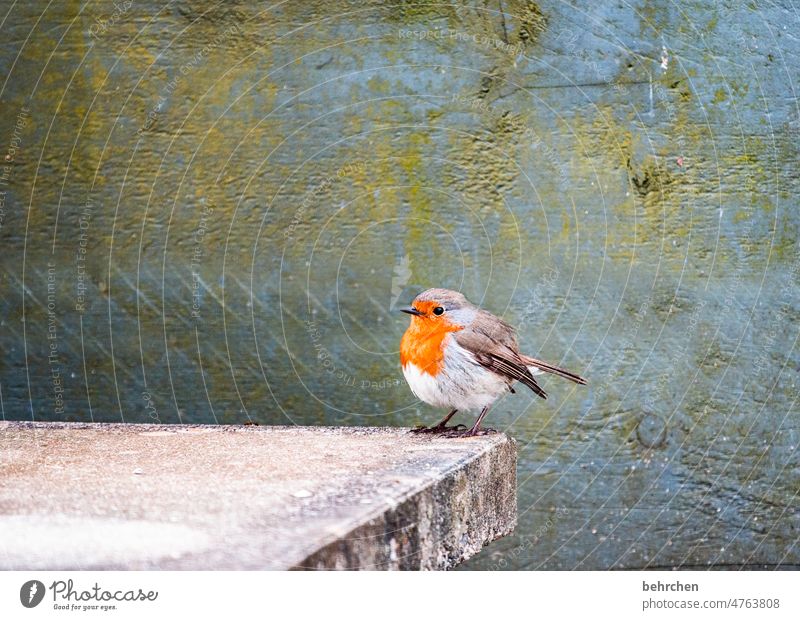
x,y
411,310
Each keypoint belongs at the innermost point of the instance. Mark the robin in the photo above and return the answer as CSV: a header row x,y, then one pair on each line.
x,y
456,355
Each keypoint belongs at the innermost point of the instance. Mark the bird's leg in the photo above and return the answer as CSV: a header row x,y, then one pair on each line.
x,y
476,428
440,427
445,420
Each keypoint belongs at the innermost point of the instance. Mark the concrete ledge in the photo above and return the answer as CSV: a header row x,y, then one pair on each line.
x,y
125,496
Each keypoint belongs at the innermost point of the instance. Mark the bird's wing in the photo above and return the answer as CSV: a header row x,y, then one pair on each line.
x,y
552,368
494,346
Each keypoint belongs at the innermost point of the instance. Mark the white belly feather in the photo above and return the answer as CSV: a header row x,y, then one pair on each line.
x,y
461,384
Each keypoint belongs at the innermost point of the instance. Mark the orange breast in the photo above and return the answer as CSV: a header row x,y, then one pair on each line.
x,y
422,344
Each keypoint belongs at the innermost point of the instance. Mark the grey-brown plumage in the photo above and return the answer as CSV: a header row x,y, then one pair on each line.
x,y
494,344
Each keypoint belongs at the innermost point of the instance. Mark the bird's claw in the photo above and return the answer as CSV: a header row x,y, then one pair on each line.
x,y
435,430
472,432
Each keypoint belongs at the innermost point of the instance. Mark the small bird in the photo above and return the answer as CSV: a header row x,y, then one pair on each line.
x,y
459,356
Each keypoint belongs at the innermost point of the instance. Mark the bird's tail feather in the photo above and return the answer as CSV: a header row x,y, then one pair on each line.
x,y
561,372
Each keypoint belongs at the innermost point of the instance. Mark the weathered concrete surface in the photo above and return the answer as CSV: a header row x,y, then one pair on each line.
x,y
113,496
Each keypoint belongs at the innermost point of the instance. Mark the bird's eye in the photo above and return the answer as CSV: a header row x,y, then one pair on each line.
x,y
438,310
